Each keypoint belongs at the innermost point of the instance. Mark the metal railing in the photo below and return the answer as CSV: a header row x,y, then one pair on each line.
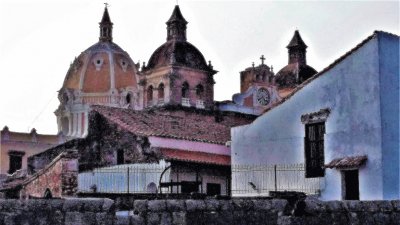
x,y
129,178
253,180
186,102
200,104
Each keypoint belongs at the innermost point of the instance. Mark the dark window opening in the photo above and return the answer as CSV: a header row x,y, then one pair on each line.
x,y
120,156
47,194
15,161
189,187
350,185
128,98
199,91
314,149
150,94
213,189
161,91
185,90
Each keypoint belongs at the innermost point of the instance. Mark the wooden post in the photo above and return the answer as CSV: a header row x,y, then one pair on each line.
x,y
276,183
127,180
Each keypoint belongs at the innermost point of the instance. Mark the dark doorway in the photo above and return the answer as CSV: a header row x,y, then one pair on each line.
x,y
350,185
189,187
213,189
120,156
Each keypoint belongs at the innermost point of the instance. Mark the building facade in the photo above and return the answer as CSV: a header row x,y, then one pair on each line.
x,y
342,124
261,89
16,147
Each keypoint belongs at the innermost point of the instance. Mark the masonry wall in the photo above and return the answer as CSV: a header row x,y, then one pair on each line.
x,y
60,178
57,212
350,90
198,212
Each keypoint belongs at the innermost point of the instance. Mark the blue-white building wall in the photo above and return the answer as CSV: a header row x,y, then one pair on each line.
x,y
354,92
390,98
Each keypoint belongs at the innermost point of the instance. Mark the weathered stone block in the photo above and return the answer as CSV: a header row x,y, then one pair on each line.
x,y
140,206
354,206
103,218
122,220
71,205
226,205
153,218
178,218
384,206
289,220
108,205
335,206
136,220
378,219
396,205
313,207
175,205
156,205
92,205
195,205
212,205
166,219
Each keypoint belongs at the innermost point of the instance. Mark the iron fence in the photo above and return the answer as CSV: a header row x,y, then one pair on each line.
x,y
261,179
129,178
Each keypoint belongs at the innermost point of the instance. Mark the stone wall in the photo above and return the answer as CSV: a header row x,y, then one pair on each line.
x,y
59,177
57,212
262,211
195,212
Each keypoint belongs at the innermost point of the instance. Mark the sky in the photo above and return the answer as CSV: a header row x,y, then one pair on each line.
x,y
39,39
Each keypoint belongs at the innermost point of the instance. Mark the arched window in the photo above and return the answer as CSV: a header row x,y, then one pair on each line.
x,y
185,90
128,98
161,91
199,91
150,94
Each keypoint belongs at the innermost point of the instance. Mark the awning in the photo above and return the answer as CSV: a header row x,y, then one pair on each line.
x,y
347,162
198,157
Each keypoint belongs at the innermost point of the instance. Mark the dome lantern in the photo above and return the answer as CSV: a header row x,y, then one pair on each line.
x,y
106,26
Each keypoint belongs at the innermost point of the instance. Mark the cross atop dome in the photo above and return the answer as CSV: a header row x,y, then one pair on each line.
x,y
106,26
176,26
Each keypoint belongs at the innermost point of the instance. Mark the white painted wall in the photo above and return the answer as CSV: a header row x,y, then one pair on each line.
x,y
351,89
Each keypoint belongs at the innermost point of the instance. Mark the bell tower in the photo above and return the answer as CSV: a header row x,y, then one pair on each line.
x,y
106,26
297,49
176,26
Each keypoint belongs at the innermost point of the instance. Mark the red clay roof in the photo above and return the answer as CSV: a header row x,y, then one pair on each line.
x,y
176,123
198,157
347,162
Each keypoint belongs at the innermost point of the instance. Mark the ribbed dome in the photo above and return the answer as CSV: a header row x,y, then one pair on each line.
x,y
179,53
294,74
100,68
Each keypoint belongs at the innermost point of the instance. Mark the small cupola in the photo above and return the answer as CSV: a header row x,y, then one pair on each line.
x,y
176,26
297,49
106,26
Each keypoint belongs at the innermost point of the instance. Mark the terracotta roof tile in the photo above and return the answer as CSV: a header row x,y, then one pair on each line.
x,y
183,124
199,157
347,162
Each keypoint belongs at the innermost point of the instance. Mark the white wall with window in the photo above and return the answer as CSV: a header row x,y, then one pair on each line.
x,y
355,90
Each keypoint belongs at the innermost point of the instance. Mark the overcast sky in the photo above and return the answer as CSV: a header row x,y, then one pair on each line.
x,y
39,39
